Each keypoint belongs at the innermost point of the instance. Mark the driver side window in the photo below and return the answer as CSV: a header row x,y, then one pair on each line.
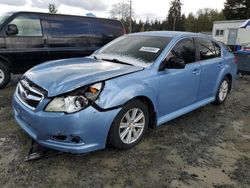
x,y
28,26
185,50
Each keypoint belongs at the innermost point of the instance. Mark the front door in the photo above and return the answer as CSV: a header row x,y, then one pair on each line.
x,y
179,87
232,36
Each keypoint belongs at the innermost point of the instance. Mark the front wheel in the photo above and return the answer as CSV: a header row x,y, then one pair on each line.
x,y
223,91
129,125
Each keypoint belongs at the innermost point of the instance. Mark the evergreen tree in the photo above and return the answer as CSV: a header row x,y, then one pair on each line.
x,y
203,20
52,8
237,9
174,18
190,24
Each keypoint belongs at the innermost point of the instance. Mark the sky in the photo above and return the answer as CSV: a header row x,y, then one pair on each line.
x,y
153,9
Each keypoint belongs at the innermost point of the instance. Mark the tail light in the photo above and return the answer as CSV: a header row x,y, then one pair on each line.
x,y
235,59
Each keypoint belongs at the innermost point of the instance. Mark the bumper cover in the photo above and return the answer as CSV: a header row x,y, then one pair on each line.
x,y
90,125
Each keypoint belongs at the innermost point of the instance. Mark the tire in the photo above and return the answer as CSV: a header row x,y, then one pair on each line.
x,y
223,91
4,75
117,136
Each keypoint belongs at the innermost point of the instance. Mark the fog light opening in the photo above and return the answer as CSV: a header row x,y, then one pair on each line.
x,y
76,139
60,137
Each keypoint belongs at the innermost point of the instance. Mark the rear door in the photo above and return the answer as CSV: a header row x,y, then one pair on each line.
x,y
26,49
212,63
232,37
68,37
179,87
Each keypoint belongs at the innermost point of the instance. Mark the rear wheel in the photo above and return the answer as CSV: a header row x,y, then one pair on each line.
x,y
129,125
4,75
223,91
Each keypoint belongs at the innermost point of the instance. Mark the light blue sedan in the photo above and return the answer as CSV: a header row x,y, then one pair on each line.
x,y
113,97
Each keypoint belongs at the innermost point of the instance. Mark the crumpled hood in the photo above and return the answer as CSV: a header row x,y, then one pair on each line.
x,y
62,76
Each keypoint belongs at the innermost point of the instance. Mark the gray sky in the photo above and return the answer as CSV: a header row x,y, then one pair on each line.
x,y
154,9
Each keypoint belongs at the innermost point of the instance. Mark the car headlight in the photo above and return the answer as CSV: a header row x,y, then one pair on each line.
x,y
76,100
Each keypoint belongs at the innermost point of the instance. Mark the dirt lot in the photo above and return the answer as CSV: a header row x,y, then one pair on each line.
x,y
209,147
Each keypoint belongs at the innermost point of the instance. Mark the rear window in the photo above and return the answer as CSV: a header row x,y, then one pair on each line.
x,y
217,49
68,27
225,46
141,48
207,49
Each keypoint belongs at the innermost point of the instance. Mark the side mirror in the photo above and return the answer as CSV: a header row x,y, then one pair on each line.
x,y
173,63
12,29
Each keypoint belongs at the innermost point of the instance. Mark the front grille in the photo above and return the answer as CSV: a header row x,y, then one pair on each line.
x,y
30,94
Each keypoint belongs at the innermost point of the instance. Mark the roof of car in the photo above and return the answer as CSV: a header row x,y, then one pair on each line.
x,y
171,34
58,14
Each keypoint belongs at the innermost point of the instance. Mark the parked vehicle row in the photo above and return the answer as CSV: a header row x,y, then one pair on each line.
x,y
243,58
28,39
112,97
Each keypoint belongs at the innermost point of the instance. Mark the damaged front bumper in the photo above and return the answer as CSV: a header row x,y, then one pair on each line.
x,y
80,132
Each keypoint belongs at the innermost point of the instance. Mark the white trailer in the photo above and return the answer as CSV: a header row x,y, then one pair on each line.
x,y
230,33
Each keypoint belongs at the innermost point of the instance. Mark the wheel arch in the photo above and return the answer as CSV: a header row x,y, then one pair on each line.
x,y
221,76
229,76
5,61
151,110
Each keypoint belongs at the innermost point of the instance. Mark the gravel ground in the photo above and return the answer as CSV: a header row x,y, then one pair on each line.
x,y
209,147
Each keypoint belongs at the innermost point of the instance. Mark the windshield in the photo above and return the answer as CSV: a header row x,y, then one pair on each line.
x,y
134,48
3,17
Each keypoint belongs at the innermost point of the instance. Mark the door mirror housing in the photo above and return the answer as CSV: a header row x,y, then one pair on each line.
x,y
173,63
12,29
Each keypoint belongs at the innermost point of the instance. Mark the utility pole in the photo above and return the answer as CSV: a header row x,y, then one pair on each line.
x,y
175,16
130,16
174,23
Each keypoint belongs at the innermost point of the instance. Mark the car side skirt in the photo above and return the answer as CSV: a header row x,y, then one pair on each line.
x,y
184,110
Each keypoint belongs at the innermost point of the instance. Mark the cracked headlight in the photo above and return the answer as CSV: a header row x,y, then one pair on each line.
x,y
76,100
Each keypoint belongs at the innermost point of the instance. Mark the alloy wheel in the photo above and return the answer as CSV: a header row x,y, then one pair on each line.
x,y
132,125
2,76
223,92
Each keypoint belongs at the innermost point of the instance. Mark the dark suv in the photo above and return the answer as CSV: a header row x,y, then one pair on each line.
x,y
29,38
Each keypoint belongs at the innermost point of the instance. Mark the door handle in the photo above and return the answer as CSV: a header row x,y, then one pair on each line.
x,y
196,71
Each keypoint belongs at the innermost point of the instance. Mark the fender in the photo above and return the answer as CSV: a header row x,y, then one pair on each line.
x,y
115,96
223,73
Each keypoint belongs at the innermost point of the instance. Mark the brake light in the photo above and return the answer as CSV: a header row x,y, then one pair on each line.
x,y
235,59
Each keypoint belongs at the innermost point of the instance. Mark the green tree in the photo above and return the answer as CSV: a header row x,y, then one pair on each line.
x,y
174,19
190,24
237,9
52,8
142,28
203,20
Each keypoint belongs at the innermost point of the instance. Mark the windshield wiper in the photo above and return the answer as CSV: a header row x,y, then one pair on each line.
x,y
117,61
